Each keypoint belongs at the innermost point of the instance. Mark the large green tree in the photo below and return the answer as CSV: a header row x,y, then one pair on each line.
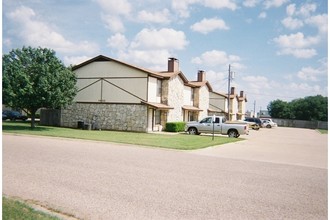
x,y
311,108
35,78
308,108
279,109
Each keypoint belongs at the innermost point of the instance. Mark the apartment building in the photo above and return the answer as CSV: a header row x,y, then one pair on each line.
x,y
119,96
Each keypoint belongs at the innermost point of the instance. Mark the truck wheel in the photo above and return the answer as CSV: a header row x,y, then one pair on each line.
x,y
192,131
232,134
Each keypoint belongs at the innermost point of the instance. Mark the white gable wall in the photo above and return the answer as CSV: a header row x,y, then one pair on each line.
x,y
152,90
111,82
217,101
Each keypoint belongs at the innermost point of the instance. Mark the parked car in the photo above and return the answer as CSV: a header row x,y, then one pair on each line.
x,y
218,125
268,123
255,120
13,115
4,117
252,125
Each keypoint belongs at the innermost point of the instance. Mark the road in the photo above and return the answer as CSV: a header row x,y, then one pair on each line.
x,y
97,180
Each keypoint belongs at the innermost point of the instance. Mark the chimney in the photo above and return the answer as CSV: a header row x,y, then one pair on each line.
x,y
232,91
173,64
201,76
241,94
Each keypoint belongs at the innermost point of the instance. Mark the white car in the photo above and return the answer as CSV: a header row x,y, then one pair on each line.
x,y
268,123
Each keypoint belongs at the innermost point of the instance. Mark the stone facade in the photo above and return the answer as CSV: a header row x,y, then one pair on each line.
x,y
121,117
204,101
175,99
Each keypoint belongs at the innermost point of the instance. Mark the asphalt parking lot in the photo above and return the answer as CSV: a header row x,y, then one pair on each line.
x,y
295,146
275,174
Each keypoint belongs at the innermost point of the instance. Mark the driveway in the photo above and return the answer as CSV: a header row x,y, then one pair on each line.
x,y
97,180
295,146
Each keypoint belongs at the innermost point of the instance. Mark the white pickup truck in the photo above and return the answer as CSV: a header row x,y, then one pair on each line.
x,y
220,127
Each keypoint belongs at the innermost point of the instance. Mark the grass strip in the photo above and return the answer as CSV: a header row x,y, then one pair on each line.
x,y
170,141
16,210
323,131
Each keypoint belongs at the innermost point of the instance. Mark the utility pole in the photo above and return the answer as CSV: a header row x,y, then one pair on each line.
x,y
228,103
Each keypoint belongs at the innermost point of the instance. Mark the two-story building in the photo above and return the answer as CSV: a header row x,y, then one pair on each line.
x,y
115,95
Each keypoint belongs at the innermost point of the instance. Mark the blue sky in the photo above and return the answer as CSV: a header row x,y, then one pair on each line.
x,y
276,48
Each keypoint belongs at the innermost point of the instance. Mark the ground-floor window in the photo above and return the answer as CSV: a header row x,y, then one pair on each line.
x,y
157,117
192,116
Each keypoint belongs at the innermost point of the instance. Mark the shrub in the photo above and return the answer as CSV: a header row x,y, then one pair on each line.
x,y
175,126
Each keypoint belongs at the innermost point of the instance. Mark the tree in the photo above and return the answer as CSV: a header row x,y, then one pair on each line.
x,y
311,108
279,109
308,108
35,78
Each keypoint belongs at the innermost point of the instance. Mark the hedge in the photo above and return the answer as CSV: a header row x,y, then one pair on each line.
x,y
175,126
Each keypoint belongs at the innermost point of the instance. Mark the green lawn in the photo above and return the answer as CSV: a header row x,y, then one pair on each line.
x,y
323,131
172,141
16,210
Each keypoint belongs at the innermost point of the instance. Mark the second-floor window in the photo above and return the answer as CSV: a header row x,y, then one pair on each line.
x,y
192,94
159,88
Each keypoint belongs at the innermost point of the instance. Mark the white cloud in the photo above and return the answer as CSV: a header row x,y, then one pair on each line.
x,y
35,32
290,10
314,74
297,45
308,73
216,77
75,60
292,23
320,21
207,25
217,58
262,15
250,3
162,17
220,4
7,42
257,82
115,7
113,11
297,40
117,41
274,3
182,7
306,9
150,47
151,59
113,23
304,88
298,53
164,38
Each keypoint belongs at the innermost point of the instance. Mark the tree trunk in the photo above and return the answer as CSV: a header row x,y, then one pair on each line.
x,y
33,119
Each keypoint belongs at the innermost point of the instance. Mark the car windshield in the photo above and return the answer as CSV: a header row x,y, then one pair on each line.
x,y
206,120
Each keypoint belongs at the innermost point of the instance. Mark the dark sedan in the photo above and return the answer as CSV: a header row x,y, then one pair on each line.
x,y
13,115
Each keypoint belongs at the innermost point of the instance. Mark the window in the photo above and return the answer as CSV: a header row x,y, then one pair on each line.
x,y
159,88
191,116
192,94
207,120
157,117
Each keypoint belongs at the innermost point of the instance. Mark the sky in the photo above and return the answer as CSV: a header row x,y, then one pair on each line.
x,y
276,49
